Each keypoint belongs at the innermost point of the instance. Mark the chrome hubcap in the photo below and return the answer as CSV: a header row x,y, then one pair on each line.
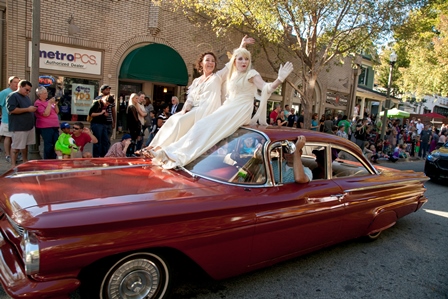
x,y
136,279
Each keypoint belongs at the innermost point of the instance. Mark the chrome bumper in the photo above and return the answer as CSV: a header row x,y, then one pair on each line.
x,y
18,285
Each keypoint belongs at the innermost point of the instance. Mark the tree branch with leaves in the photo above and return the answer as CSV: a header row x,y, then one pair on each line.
x,y
312,33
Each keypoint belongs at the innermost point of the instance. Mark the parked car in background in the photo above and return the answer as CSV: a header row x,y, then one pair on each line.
x,y
119,227
436,164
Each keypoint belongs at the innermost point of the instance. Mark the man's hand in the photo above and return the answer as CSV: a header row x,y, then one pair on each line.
x,y
300,143
32,109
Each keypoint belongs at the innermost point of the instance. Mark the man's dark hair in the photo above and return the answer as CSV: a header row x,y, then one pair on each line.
x,y
79,124
24,83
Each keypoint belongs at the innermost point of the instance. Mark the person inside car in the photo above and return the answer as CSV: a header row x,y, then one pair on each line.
x,y
292,167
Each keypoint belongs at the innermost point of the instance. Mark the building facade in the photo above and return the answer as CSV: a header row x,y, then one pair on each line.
x,y
133,46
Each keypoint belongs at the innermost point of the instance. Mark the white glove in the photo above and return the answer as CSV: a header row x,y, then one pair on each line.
x,y
284,71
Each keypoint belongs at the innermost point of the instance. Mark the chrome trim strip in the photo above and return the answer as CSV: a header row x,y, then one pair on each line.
x,y
382,186
71,170
193,175
18,229
230,183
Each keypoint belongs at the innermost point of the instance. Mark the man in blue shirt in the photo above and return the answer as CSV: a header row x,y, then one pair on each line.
x,y
13,82
292,167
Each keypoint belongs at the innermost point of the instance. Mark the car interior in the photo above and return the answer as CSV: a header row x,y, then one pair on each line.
x,y
239,159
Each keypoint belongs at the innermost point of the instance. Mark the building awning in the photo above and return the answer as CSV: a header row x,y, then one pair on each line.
x,y
157,63
365,92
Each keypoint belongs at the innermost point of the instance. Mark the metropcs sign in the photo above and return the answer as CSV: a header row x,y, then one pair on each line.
x,y
60,58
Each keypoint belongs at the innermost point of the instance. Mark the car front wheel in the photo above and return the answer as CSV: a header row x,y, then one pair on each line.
x,y
136,276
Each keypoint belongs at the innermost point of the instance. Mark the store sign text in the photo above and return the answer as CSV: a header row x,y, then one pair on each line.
x,y
68,59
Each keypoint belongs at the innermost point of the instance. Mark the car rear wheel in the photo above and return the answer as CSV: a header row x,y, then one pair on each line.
x,y
136,276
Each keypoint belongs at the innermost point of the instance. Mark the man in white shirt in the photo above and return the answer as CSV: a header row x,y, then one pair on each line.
x,y
419,126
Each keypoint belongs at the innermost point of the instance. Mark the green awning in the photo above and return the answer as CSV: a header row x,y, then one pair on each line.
x,y
155,62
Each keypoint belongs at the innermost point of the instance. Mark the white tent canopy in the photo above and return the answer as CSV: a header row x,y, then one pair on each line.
x,y
396,112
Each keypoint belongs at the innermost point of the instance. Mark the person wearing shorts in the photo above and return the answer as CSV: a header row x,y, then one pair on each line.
x,y
13,82
21,121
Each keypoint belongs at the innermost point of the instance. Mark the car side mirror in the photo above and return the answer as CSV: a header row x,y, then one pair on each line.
x,y
289,146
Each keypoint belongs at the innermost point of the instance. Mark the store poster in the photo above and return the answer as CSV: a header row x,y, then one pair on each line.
x,y
82,98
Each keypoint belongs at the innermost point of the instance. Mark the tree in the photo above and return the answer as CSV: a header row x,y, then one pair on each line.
x,y
421,44
313,32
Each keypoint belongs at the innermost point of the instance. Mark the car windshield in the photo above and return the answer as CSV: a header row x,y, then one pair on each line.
x,y
238,159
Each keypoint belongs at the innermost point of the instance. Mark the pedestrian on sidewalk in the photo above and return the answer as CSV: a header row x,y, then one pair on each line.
x,y
47,121
21,121
425,141
13,82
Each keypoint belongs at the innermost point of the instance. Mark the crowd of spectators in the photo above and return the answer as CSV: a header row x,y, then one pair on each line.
x,y
408,139
60,139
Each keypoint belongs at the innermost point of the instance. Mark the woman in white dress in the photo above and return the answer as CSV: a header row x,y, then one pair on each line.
x,y
204,97
236,111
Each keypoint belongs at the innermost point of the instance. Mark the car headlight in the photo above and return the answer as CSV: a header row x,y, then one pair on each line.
x,y
30,253
433,157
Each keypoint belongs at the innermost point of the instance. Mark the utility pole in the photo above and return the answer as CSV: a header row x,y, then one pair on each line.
x,y
33,151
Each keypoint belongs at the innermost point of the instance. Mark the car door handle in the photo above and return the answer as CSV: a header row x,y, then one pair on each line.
x,y
338,196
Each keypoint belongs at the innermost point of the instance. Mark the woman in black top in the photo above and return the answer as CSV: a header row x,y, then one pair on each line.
x,y
99,126
163,116
281,120
134,123
361,133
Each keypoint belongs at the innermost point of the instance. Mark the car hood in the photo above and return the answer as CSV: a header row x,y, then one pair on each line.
x,y
443,151
39,188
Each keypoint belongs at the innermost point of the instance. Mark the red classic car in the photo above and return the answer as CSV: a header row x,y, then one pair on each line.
x,y
116,228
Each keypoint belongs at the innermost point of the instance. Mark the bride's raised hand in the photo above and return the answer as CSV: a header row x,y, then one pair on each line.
x,y
284,71
247,41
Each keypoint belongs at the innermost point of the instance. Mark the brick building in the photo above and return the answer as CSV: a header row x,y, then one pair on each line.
x,y
133,45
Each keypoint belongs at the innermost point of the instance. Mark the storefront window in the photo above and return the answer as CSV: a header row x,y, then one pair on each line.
x,y
74,95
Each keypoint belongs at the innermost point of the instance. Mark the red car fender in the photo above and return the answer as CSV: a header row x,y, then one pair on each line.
x,y
383,220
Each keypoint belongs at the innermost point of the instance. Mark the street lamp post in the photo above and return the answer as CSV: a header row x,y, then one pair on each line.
x,y
392,60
